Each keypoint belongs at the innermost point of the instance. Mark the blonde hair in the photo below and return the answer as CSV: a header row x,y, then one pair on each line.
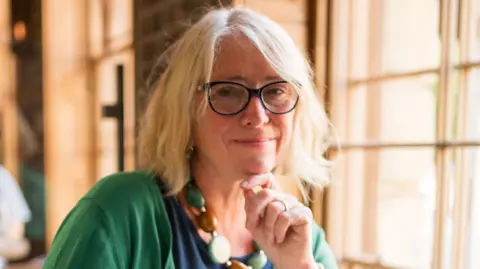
x,y
165,134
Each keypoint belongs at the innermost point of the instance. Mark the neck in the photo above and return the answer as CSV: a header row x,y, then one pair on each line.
x,y
224,197
223,194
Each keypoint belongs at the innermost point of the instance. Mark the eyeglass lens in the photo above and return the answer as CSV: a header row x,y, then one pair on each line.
x,y
230,98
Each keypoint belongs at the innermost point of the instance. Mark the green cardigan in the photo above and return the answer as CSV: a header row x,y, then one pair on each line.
x,y
121,223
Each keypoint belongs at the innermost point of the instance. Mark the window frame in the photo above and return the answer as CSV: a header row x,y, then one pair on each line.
x,y
332,201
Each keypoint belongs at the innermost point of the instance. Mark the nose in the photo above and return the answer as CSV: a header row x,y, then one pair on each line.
x,y
254,114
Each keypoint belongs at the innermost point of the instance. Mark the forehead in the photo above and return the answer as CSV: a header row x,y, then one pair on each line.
x,y
238,59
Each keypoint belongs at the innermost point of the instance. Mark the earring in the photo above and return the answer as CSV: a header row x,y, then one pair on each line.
x,y
189,152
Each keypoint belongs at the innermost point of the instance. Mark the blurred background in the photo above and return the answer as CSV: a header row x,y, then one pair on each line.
x,y
400,80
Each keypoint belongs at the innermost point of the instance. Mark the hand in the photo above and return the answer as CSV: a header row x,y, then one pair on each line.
x,y
283,231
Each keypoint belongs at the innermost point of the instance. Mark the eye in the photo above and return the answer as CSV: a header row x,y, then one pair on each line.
x,y
275,92
225,91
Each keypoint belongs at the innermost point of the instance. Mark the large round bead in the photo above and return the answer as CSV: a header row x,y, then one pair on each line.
x,y
237,265
195,197
219,248
207,221
258,260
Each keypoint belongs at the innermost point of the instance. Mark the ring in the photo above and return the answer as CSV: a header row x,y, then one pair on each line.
x,y
284,204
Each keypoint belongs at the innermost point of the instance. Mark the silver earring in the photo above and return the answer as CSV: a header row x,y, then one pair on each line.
x,y
189,153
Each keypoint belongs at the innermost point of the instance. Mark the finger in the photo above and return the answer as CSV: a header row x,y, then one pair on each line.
x,y
300,215
255,205
280,204
264,180
272,214
281,227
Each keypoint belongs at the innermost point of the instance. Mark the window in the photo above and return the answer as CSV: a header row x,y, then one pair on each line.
x,y
111,41
404,97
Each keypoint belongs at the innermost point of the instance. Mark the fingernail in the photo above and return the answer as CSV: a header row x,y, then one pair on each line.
x,y
244,184
256,189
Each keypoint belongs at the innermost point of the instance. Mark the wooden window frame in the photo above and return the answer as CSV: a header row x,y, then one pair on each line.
x,y
332,201
8,100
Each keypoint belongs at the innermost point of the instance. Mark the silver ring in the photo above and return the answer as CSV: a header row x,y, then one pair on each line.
x,y
284,204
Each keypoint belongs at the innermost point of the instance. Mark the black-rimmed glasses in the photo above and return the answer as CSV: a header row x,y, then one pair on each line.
x,y
230,98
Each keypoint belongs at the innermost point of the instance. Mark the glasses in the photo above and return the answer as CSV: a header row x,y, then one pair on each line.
x,y
230,98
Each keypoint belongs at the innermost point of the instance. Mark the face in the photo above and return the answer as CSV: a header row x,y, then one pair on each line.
x,y
251,141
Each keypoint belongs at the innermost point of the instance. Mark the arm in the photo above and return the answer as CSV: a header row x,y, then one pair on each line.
x,y
85,240
322,253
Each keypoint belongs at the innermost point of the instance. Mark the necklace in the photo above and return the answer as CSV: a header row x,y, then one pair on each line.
x,y
219,247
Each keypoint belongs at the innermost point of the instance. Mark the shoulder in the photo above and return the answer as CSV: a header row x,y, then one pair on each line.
x,y
122,214
125,196
124,181
124,188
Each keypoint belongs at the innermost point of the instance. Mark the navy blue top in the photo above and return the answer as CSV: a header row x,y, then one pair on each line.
x,y
189,250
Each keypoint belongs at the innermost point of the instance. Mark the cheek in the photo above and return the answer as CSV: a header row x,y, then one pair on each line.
x,y
209,130
285,126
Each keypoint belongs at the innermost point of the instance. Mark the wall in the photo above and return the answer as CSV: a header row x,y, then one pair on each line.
x,y
157,25
29,82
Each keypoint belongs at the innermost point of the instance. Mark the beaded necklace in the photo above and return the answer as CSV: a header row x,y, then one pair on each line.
x,y
219,247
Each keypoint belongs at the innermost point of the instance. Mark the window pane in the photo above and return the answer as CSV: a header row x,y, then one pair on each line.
x,y
473,24
410,38
473,232
388,205
359,39
465,106
396,111
473,89
394,36
406,203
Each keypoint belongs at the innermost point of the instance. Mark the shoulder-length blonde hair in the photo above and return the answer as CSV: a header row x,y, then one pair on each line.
x,y
165,133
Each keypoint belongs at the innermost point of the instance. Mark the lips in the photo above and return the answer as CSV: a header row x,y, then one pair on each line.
x,y
259,140
255,141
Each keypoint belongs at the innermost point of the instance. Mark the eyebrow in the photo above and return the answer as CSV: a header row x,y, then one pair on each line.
x,y
244,79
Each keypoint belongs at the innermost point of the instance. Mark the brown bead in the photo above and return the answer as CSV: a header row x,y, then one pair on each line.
x,y
237,265
207,221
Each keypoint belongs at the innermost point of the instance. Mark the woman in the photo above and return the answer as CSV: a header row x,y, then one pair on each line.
x,y
234,108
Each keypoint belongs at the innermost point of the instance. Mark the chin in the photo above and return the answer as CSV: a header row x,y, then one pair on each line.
x,y
259,166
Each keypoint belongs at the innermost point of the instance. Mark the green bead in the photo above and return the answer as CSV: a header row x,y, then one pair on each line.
x,y
258,260
195,197
219,249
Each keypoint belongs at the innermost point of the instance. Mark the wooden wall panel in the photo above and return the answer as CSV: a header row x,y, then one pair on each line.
x,y
8,101
281,10
292,15
82,47
158,23
69,105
